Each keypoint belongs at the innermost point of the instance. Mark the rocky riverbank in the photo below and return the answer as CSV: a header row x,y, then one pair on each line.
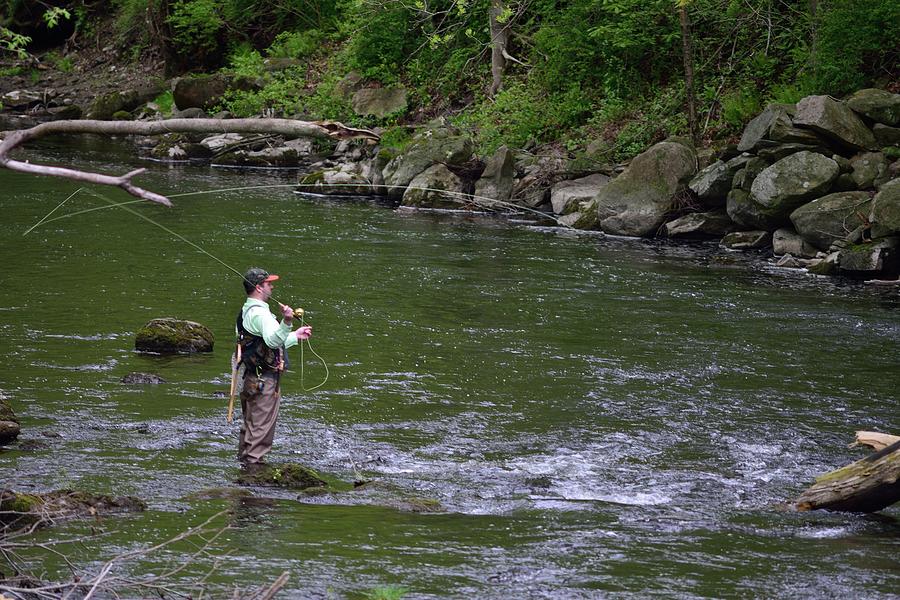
x,y
815,183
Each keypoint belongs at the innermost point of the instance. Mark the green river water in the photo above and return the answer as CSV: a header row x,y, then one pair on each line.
x,y
597,417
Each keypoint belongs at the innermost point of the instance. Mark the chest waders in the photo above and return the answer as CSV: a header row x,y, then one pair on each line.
x,y
252,353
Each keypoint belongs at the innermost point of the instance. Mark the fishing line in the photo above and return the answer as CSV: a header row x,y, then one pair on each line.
x,y
123,206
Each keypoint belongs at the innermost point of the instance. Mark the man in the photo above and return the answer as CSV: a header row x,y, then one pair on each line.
x,y
264,342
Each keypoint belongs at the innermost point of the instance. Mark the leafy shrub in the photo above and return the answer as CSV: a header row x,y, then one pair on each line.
x,y
857,42
293,44
739,106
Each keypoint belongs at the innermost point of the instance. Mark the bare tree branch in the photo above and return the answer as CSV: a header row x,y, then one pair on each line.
x,y
288,127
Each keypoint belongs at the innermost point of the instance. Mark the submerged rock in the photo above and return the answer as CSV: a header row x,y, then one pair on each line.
x,y
143,378
17,509
173,336
286,475
9,424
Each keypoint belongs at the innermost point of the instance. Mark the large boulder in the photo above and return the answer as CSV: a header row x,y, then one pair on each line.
x,y
379,102
435,187
496,182
793,181
885,135
885,214
830,218
438,145
107,105
881,256
711,185
206,91
345,178
9,424
879,105
775,125
787,241
748,214
567,196
696,225
291,154
173,336
637,202
869,168
834,120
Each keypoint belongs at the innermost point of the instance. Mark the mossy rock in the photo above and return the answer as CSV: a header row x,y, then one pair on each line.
x,y
122,115
286,475
174,336
19,509
9,424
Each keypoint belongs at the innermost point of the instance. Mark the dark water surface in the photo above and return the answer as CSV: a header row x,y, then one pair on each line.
x,y
598,417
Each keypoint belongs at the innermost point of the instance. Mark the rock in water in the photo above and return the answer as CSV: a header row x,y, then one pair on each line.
x,y
174,336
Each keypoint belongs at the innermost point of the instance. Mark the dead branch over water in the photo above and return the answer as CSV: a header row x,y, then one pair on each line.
x,y
109,580
287,127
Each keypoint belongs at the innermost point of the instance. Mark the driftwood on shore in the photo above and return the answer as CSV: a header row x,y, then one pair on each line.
x,y
290,127
867,485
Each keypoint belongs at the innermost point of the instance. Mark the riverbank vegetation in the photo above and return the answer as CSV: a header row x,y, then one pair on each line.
x,y
601,79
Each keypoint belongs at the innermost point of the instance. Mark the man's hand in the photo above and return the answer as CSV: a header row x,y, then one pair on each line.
x,y
304,333
287,313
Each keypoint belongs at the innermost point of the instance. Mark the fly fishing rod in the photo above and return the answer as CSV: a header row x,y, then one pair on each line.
x,y
298,312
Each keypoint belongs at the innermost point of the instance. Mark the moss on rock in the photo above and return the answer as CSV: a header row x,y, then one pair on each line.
x,y
286,475
171,336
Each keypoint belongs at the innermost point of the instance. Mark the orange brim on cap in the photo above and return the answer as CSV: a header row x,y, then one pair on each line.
x,y
271,278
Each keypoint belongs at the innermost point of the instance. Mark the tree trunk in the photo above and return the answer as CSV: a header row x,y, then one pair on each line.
x,y
868,485
499,40
688,56
875,440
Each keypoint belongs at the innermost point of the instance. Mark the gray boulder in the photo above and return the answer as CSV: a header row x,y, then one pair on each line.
x,y
787,242
886,135
879,105
711,185
637,202
174,336
748,214
379,102
775,124
744,177
747,240
885,214
435,187
696,225
792,181
881,256
583,218
567,196
292,153
432,146
9,424
496,182
346,178
834,120
206,91
107,105
868,168
142,379
830,218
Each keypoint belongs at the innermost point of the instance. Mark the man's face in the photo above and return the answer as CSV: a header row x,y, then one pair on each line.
x,y
265,288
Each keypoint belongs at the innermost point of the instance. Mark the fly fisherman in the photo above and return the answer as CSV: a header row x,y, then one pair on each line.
x,y
263,342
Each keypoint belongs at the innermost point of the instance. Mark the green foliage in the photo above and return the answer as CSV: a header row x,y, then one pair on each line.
x,y
165,102
381,44
61,63
296,44
385,592
857,41
246,61
196,25
13,42
521,114
739,106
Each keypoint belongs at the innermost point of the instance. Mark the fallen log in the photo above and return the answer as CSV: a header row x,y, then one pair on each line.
x,y
865,486
875,440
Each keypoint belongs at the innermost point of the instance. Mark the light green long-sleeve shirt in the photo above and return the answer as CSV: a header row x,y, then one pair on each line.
x,y
258,320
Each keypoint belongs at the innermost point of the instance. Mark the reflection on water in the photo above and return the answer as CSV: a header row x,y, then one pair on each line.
x,y
596,416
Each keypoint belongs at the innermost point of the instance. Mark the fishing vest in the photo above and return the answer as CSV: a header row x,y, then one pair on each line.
x,y
255,353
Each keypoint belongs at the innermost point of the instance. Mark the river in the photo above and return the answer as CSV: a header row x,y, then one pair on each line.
x,y
596,417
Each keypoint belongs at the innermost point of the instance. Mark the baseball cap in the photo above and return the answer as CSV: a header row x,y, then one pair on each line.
x,y
257,276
